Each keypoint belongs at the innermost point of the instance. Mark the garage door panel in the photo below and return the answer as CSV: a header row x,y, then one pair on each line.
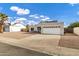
x,y
51,30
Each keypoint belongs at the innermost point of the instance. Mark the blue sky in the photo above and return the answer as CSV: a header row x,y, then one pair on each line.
x,y
33,13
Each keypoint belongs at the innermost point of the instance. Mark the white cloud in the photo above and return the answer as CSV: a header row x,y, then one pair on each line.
x,y
32,22
39,16
43,19
19,20
42,16
31,15
16,17
47,18
73,4
34,16
23,12
22,19
10,17
14,8
78,13
20,11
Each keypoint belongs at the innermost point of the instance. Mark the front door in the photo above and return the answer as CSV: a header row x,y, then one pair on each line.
x,y
39,29
32,29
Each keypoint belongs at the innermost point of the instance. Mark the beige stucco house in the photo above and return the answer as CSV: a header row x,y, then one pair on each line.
x,y
48,27
16,27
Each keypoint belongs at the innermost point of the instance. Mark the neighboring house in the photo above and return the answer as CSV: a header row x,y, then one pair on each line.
x,y
48,27
16,27
6,26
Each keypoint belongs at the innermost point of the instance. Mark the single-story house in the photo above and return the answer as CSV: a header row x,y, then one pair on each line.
x,y
16,27
48,27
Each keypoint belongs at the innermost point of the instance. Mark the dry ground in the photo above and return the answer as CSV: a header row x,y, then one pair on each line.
x,y
16,35
69,40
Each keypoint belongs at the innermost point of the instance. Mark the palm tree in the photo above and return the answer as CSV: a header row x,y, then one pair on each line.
x,y
27,28
3,17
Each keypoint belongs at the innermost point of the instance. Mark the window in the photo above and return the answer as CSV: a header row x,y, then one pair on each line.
x,y
39,29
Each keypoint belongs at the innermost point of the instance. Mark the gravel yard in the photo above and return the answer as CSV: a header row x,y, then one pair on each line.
x,y
69,40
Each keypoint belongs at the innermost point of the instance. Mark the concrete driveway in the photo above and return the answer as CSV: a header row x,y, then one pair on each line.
x,y
46,44
36,42
10,50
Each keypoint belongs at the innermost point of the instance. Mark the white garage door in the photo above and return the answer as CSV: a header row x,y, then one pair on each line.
x,y
51,30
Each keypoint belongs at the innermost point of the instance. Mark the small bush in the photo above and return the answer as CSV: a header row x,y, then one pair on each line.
x,y
23,30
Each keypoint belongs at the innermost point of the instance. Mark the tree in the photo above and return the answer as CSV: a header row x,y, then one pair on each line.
x,y
27,28
69,29
3,17
72,25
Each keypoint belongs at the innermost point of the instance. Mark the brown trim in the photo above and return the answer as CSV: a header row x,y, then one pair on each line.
x,y
52,27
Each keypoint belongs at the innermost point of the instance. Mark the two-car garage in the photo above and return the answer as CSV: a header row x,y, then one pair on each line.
x,y
51,30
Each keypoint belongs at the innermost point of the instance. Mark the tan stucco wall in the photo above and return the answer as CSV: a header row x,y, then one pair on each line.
x,y
76,30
